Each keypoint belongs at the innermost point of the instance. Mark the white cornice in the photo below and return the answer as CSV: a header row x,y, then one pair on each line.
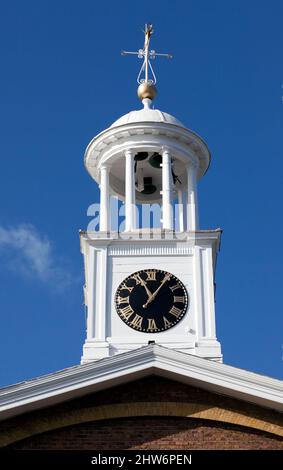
x,y
154,236
113,140
152,359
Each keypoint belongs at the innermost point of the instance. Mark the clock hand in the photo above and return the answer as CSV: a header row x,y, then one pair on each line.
x,y
152,297
143,283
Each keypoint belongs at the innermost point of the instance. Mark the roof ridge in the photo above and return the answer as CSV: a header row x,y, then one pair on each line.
x,y
132,365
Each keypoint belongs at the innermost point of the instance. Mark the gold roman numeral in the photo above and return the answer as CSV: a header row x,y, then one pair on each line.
x,y
126,312
137,322
175,311
151,275
167,323
167,277
137,278
179,298
122,300
151,325
176,286
124,286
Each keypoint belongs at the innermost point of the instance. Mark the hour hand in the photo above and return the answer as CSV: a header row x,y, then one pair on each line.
x,y
143,283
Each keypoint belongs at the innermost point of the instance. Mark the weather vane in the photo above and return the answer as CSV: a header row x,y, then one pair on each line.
x,y
147,55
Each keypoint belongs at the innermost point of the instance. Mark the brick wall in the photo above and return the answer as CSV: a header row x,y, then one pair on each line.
x,y
152,433
150,413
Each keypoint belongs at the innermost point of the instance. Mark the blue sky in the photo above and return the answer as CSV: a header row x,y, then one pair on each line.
x,y
62,81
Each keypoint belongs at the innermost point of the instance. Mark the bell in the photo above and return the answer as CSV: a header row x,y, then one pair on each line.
x,y
149,188
155,160
141,156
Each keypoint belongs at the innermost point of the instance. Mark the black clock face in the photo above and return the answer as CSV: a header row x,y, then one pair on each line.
x,y
151,300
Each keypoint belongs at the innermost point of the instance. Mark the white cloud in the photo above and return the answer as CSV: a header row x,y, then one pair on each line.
x,y
32,255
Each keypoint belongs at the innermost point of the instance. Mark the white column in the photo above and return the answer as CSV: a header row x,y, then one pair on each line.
x,y
209,289
192,209
91,292
185,199
130,199
101,294
181,211
167,219
104,199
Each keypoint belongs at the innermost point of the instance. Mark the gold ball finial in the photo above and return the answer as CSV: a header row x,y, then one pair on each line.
x,y
147,90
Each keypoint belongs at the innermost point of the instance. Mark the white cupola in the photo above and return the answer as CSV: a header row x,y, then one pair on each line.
x,y
142,284
148,156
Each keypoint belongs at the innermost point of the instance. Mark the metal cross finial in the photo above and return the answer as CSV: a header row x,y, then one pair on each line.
x,y
147,56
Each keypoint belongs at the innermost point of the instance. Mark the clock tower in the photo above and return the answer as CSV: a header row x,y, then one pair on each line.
x,y
151,278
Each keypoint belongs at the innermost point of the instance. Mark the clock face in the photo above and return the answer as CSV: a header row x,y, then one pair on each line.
x,y
151,300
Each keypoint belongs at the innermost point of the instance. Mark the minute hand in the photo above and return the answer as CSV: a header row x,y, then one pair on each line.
x,y
152,297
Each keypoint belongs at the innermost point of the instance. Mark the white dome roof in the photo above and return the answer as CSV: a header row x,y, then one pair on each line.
x,y
147,115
